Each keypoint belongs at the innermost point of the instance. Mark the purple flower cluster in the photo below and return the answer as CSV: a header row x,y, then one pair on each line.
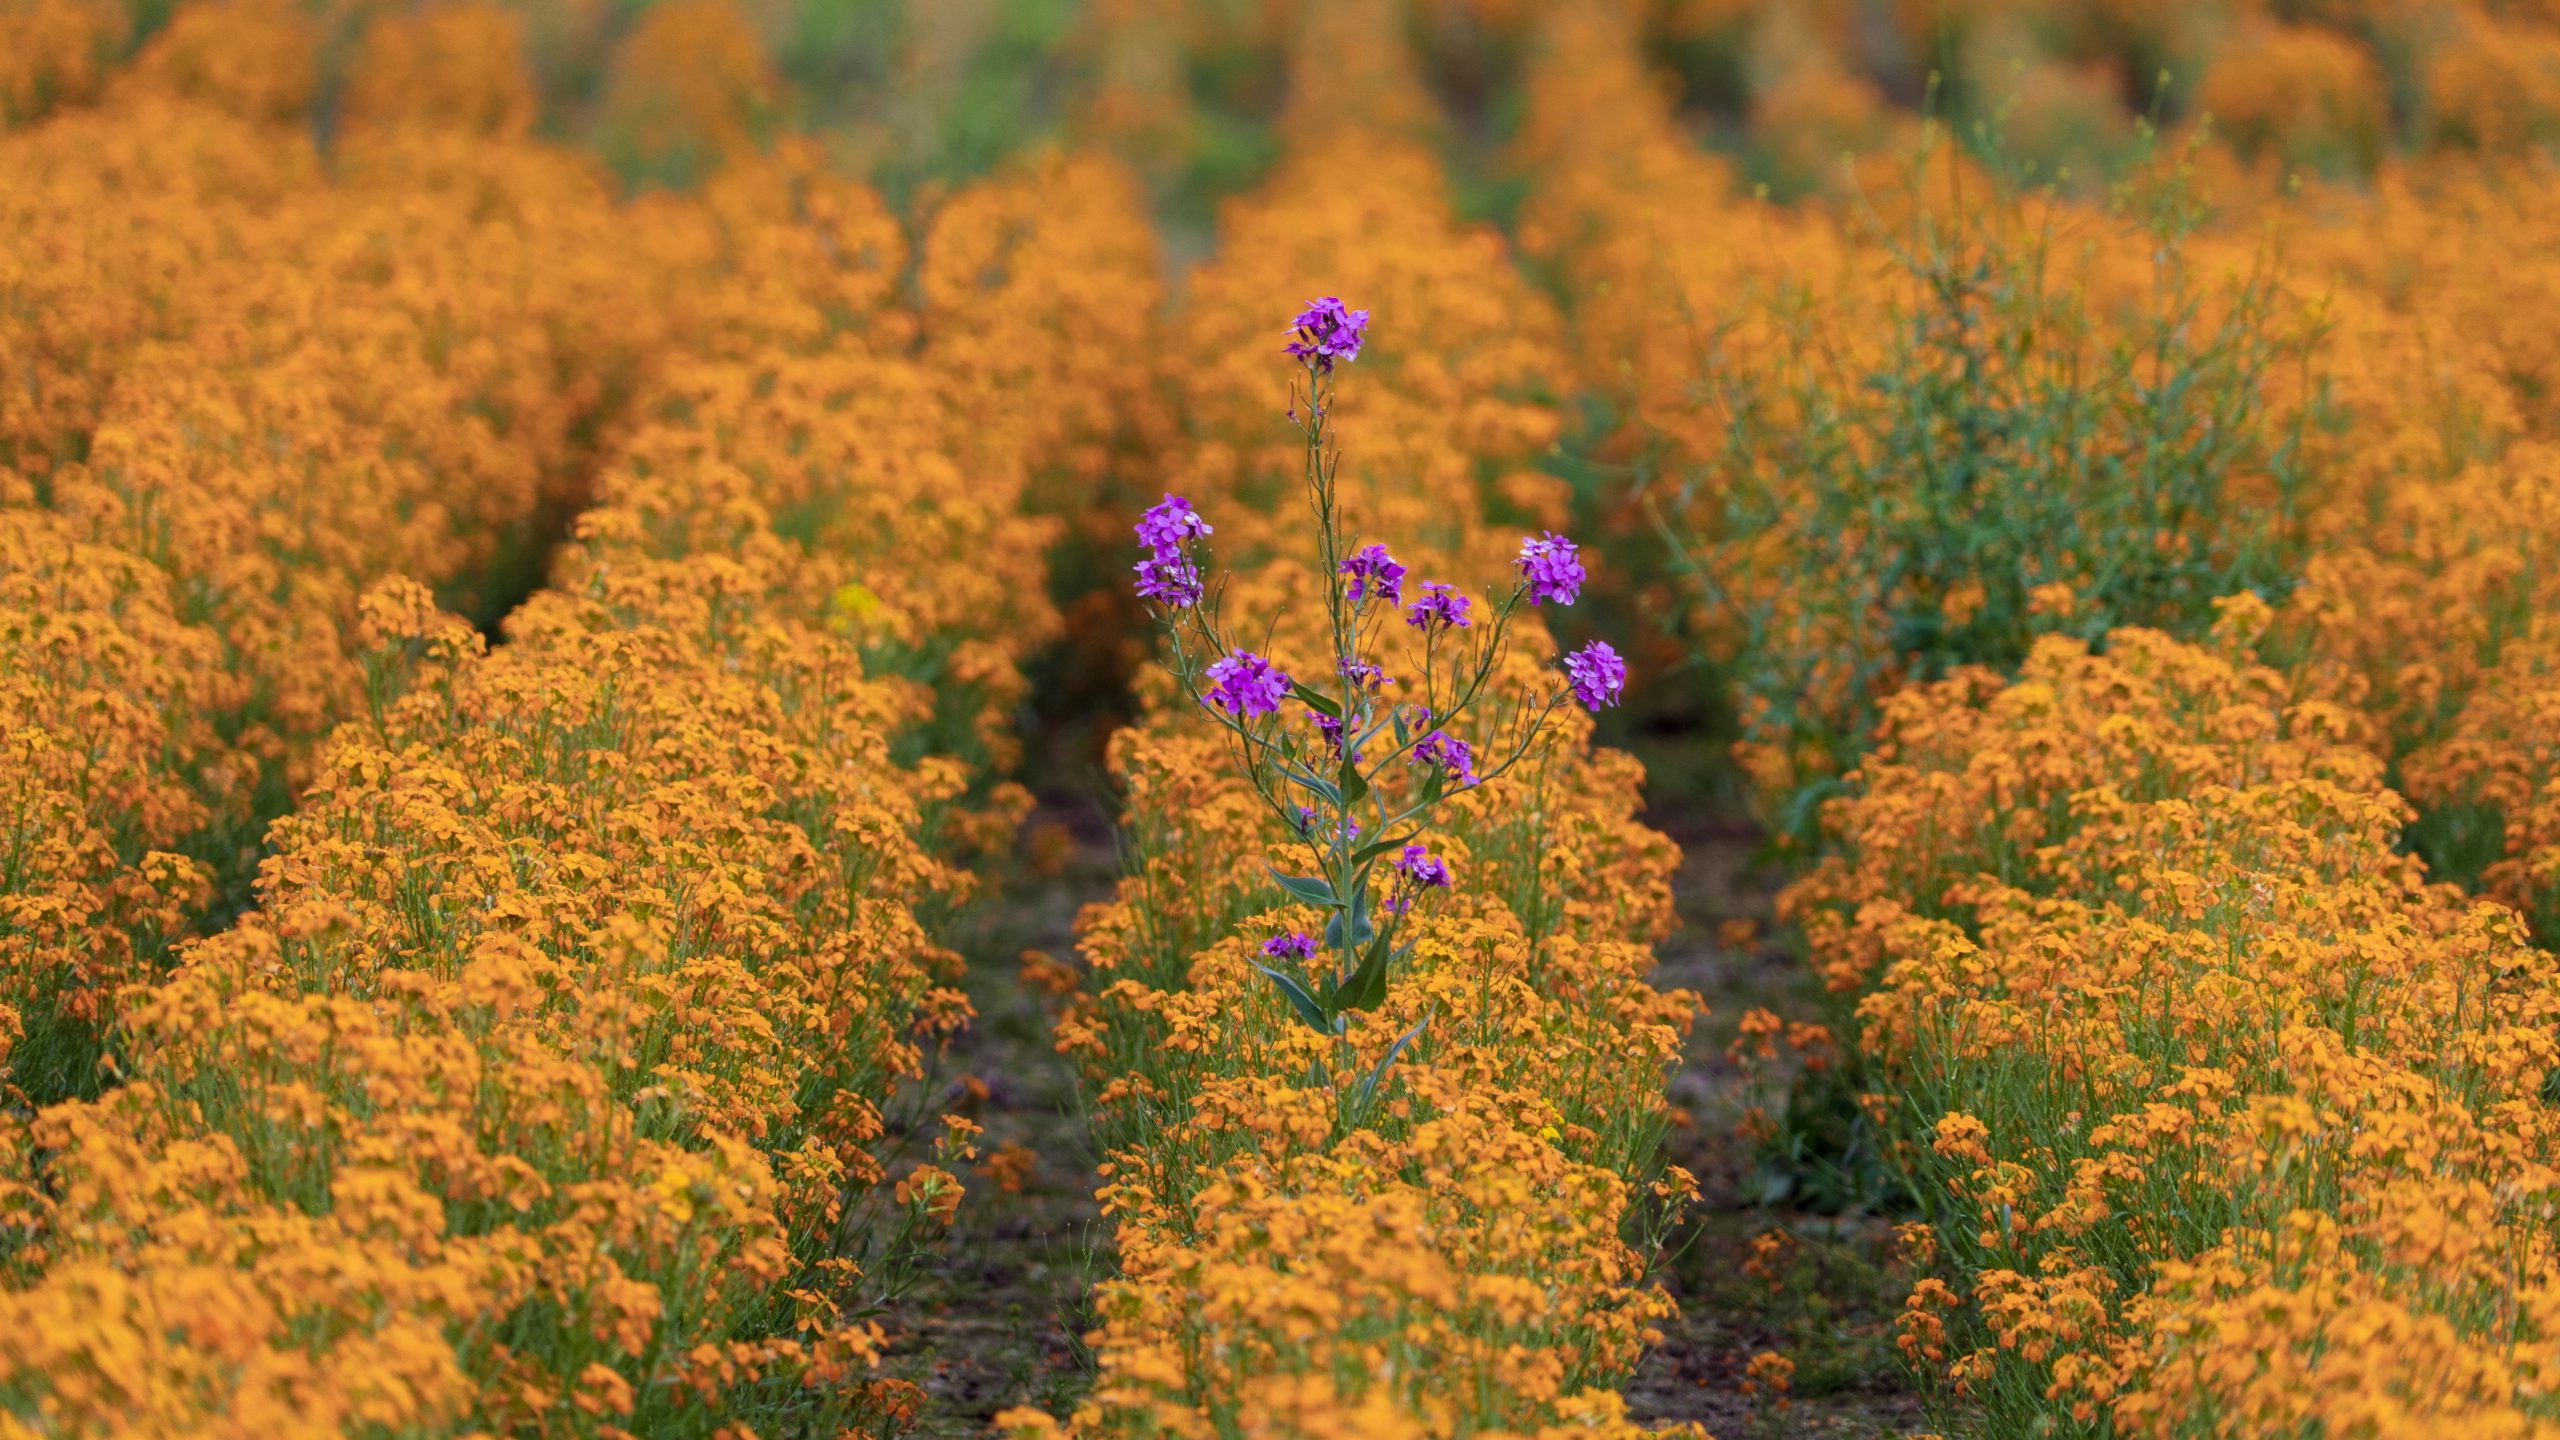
x,y
1598,676
1417,870
1551,565
1331,728
1440,605
1170,526
1418,865
1327,331
1169,576
1245,685
1451,754
1363,675
1374,572
1169,582
1294,945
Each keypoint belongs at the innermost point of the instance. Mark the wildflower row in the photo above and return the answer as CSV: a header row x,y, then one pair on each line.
x,y
246,384
1399,1200
2238,1120
547,1088
2242,382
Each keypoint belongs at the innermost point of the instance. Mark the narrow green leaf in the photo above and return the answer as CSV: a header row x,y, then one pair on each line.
x,y
1361,930
1314,701
1369,1087
1305,781
1314,889
1299,1000
1355,786
1366,989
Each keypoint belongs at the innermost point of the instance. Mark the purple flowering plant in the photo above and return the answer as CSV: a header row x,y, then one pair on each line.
x,y
1335,771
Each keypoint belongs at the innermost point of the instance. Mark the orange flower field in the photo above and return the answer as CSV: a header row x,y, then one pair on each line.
x,y
1248,719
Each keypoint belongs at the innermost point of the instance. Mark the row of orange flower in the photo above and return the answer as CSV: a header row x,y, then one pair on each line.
x,y
1457,1260
245,381
545,1088
2232,1112
2240,1120
2401,463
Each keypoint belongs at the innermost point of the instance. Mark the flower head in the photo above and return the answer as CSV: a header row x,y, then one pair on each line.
x,y
1418,865
1293,944
1330,727
1169,526
1417,870
1374,572
1169,575
1326,331
1451,754
1440,605
1598,675
1245,685
1552,566
1172,581
1362,674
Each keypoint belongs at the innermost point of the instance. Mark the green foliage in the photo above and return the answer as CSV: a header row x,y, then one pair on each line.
x,y
2013,458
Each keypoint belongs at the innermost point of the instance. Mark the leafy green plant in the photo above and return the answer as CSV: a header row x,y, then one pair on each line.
x,y
2016,457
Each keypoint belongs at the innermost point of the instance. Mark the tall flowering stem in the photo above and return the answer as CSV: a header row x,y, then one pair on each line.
x,y
1356,762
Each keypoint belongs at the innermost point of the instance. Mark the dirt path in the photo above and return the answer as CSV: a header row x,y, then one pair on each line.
x,y
999,1321
1823,1299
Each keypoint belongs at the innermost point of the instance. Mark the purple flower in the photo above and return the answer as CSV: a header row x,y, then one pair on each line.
x,y
1551,567
1440,604
1168,574
1362,674
1296,944
1167,527
1325,332
1175,582
1418,866
1331,727
1417,871
1451,754
1374,571
1599,677
1246,685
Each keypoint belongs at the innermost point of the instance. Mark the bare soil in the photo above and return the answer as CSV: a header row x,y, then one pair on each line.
x,y
1000,1320
1829,1308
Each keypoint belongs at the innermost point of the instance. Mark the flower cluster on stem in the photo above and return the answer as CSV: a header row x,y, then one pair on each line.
x,y
1359,782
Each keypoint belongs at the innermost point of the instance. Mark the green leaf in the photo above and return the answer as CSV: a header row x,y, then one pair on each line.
x,y
1361,933
1369,1087
1299,1000
1305,781
1366,989
1314,889
1353,921
1314,701
1355,786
